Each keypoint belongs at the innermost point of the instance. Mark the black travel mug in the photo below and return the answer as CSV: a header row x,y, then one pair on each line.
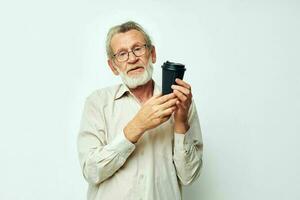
x,y
171,71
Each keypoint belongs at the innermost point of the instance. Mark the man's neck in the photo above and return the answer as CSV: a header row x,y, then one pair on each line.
x,y
143,92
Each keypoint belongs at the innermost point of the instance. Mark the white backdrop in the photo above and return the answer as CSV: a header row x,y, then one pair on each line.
x,y
242,63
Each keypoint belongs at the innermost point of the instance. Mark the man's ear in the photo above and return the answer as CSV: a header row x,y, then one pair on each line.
x,y
112,67
153,54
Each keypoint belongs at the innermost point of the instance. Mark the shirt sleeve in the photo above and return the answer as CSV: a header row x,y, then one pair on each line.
x,y
188,150
99,160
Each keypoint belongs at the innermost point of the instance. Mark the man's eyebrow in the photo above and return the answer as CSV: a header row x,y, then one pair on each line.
x,y
122,49
137,44
134,45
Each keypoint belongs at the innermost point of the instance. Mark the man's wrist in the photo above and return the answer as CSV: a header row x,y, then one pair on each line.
x,y
132,132
181,127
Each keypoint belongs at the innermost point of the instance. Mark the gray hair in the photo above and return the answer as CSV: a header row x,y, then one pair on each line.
x,y
123,28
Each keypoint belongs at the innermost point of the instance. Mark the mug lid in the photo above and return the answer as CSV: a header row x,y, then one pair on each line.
x,y
173,66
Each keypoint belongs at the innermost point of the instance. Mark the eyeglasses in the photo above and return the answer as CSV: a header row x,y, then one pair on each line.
x,y
138,51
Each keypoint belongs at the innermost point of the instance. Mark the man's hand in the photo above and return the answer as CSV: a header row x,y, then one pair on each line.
x,y
183,92
154,112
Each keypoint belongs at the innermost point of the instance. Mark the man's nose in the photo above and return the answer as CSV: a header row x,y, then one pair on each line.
x,y
132,57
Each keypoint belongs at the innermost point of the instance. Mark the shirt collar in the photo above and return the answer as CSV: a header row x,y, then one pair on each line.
x,y
123,89
157,89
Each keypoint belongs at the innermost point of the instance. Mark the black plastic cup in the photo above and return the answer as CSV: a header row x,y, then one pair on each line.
x,y
171,71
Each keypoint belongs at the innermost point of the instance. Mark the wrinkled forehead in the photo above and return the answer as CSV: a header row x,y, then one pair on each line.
x,y
127,40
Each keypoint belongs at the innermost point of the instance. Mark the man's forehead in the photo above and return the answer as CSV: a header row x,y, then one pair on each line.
x,y
127,39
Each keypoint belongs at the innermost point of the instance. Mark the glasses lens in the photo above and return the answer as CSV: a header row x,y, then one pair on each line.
x,y
139,51
122,56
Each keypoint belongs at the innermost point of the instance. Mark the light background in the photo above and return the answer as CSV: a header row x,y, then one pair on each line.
x,y
242,61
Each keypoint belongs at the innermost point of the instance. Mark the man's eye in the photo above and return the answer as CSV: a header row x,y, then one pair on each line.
x,y
122,53
137,48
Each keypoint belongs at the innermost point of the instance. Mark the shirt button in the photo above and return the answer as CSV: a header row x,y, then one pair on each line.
x,y
141,176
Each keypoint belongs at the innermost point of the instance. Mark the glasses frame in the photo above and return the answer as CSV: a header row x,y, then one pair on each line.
x,y
132,51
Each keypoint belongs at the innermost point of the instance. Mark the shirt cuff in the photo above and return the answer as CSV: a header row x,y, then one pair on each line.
x,y
122,145
181,141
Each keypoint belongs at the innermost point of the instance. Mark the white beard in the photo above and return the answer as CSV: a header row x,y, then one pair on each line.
x,y
142,79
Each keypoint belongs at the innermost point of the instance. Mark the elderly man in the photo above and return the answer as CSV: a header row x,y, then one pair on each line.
x,y
135,143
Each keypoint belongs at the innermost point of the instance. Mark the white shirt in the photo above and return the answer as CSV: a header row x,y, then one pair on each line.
x,y
154,168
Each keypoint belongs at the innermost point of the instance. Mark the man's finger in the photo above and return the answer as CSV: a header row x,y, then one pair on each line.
x,y
167,112
183,83
168,104
165,118
153,98
184,90
180,95
165,98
